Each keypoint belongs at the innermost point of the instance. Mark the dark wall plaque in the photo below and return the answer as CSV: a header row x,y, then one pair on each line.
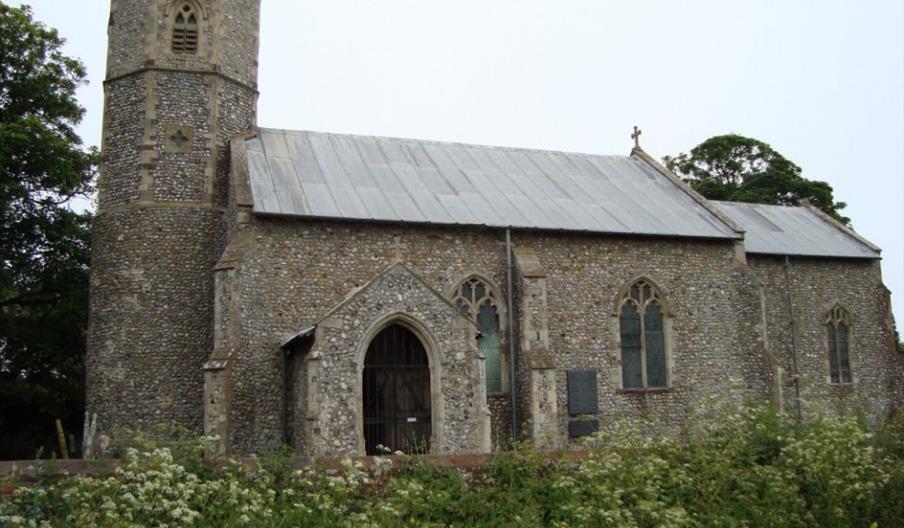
x,y
579,428
582,396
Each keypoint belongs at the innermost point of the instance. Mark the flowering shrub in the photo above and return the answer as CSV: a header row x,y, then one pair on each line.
x,y
735,466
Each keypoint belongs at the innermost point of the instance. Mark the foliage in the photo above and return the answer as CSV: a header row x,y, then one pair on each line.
x,y
43,242
741,169
739,466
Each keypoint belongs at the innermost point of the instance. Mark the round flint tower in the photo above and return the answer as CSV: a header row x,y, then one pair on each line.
x,y
181,80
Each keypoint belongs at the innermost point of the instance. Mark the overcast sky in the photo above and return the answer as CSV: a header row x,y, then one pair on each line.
x,y
821,81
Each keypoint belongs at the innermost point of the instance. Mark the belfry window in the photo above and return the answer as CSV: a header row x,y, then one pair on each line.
x,y
643,350
476,300
185,30
837,327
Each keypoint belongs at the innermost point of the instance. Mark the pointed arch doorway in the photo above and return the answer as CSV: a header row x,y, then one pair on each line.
x,y
396,393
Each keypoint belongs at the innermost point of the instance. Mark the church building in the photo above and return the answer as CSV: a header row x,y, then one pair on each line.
x,y
349,294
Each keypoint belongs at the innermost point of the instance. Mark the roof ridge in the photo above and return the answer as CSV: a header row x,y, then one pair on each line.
x,y
446,143
758,204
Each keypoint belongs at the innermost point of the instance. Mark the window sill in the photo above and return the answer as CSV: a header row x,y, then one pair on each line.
x,y
842,384
658,390
498,395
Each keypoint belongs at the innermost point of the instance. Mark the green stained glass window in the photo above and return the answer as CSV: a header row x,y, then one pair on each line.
x,y
476,300
488,324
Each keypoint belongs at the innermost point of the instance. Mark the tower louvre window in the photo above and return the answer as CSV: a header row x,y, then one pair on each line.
x,y
185,31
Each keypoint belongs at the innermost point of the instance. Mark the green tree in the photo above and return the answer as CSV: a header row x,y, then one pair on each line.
x,y
741,169
43,240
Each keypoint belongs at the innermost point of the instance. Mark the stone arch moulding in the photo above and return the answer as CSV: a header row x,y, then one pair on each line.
x,y
622,293
829,309
430,346
171,7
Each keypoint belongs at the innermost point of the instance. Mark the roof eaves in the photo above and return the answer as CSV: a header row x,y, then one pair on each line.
x,y
813,255
556,230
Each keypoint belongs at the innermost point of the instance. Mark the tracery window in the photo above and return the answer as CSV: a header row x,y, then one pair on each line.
x,y
475,299
837,327
185,30
643,350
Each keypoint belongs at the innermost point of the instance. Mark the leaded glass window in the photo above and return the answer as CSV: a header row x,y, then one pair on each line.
x,y
643,349
837,325
632,364
475,299
185,31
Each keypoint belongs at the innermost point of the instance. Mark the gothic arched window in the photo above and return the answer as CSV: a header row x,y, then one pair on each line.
x,y
185,30
643,350
837,326
475,299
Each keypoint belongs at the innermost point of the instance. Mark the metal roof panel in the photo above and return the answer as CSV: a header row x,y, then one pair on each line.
x,y
300,173
793,231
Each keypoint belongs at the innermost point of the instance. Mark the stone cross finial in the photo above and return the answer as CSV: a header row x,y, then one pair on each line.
x,y
636,136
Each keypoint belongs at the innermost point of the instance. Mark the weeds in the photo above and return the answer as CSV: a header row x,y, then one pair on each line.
x,y
735,465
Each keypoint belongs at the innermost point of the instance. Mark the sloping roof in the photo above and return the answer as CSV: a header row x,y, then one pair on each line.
x,y
313,174
801,231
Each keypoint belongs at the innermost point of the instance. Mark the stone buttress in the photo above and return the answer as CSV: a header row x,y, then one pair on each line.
x,y
541,393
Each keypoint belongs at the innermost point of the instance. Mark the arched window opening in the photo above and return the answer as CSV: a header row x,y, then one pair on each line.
x,y
185,30
475,299
643,350
837,328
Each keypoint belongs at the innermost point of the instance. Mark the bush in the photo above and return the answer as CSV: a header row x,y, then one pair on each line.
x,y
738,466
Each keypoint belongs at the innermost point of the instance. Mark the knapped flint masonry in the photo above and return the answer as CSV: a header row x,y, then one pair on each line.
x,y
339,292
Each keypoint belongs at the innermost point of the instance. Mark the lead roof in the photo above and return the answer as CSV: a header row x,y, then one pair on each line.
x,y
380,179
